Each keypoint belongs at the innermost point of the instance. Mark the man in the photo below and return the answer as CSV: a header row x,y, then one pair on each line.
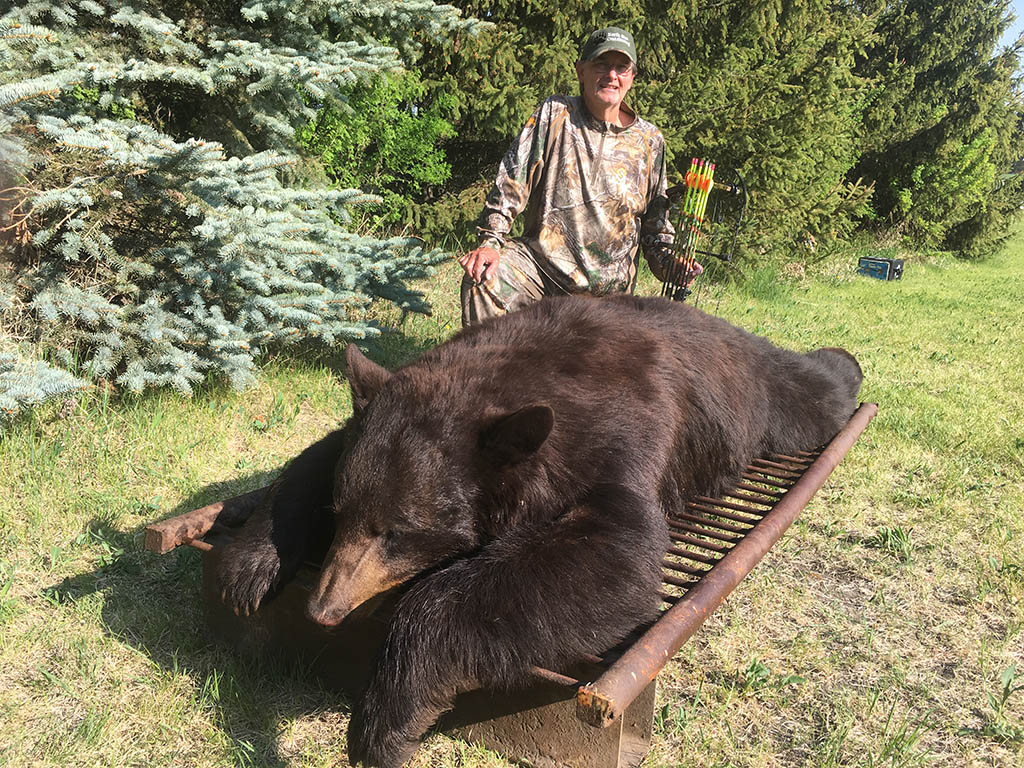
x,y
591,176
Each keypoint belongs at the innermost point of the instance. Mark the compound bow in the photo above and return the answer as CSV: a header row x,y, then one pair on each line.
x,y
718,232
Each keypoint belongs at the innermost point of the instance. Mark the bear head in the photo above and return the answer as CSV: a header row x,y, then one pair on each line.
x,y
412,492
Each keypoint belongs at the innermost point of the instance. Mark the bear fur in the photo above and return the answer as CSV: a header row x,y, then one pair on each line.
x,y
515,479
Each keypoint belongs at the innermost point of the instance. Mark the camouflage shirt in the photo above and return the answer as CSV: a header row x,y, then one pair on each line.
x,y
593,191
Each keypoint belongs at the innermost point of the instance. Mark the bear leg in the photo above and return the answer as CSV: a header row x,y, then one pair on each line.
x,y
544,594
294,522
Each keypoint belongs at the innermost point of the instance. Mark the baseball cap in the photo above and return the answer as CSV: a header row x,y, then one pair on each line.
x,y
608,39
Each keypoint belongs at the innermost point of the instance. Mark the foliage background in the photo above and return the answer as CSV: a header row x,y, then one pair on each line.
x,y
897,118
886,629
163,221
179,187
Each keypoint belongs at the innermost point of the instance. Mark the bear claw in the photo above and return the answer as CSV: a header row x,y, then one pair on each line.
x,y
247,576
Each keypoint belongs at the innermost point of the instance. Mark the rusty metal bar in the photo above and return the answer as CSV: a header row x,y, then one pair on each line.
x,y
695,542
749,498
764,465
675,581
554,677
695,556
680,568
673,523
164,536
804,460
710,523
199,544
791,471
765,480
714,510
736,506
600,703
787,478
754,489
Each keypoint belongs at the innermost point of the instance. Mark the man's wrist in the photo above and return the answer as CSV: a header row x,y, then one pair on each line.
x,y
488,238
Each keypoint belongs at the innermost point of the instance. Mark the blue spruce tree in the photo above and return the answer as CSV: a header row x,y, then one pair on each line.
x,y
156,225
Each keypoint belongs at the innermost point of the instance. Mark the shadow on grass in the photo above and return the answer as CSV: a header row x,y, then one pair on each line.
x,y
153,603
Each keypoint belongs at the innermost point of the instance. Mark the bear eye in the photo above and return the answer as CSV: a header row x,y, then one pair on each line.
x,y
392,535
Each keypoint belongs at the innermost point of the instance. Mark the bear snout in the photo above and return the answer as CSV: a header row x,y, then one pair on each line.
x,y
353,572
324,615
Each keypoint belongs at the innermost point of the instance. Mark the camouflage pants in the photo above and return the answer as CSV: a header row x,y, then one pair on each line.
x,y
517,282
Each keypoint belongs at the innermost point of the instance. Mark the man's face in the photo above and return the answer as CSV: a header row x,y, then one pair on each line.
x,y
606,80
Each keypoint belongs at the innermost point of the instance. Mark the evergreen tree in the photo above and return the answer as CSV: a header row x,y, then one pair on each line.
x,y
941,125
25,381
151,231
767,87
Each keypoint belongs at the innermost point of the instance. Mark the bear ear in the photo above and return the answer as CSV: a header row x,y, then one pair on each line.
x,y
515,436
365,377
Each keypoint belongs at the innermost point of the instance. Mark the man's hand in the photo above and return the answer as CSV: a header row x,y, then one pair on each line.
x,y
672,265
696,268
480,263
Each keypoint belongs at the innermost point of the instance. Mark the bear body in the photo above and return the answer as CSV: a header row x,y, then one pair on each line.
x,y
515,479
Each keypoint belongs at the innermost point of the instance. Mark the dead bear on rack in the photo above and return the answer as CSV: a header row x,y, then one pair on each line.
x,y
516,478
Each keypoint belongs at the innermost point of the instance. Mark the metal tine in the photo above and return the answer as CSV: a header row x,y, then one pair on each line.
x,y
755,489
673,523
724,512
746,497
691,555
804,461
693,541
779,474
680,568
795,471
554,677
675,581
711,523
551,676
764,479
667,598
695,556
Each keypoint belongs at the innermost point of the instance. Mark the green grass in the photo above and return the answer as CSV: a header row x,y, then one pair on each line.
x,y
896,541
886,629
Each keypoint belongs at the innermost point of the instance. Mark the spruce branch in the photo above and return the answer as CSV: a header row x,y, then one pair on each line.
x,y
153,238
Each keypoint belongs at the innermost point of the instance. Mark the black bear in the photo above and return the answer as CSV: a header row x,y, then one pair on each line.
x,y
516,477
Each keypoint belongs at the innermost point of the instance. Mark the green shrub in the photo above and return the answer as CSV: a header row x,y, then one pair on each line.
x,y
384,141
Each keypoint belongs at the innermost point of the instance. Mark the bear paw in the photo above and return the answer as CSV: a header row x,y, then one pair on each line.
x,y
372,744
247,572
